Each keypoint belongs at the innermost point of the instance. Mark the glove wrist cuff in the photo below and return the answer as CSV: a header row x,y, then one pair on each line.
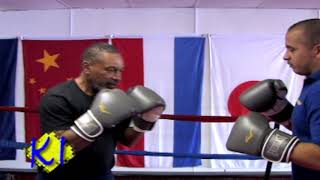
x,y
87,125
76,130
141,125
278,146
283,114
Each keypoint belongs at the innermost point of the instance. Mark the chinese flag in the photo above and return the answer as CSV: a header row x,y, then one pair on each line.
x,y
47,63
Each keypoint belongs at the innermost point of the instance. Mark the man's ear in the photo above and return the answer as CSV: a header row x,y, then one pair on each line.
x,y
85,66
316,49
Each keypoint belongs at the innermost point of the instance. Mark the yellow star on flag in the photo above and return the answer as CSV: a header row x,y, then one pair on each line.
x,y
32,81
48,60
42,90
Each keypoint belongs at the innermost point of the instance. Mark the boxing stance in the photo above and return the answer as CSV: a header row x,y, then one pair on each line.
x,y
252,135
109,108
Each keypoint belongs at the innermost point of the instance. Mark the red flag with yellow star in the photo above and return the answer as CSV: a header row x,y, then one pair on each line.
x,y
47,63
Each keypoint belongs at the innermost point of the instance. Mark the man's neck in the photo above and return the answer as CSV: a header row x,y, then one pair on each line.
x,y
84,85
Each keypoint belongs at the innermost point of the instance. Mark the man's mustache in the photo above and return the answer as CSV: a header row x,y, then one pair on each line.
x,y
112,83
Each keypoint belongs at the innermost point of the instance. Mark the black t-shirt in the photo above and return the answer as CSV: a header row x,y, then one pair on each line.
x,y
59,107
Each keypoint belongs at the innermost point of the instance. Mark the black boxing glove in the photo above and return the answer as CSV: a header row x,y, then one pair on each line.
x,y
269,98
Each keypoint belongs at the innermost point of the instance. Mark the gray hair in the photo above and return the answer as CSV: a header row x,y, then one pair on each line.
x,y
92,52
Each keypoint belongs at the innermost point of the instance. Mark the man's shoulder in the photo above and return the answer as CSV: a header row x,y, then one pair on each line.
x,y
62,88
67,94
63,91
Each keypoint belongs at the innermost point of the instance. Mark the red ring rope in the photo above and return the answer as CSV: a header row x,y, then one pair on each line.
x,y
193,118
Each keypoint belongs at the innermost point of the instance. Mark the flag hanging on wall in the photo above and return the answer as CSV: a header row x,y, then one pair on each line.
x,y
8,58
188,77
47,63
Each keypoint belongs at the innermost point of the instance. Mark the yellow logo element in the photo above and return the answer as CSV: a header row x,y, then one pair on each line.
x,y
249,136
51,152
48,60
103,108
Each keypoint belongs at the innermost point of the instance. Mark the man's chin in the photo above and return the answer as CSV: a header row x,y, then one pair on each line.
x,y
302,73
106,86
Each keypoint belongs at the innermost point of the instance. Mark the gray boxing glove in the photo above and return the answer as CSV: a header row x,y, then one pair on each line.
x,y
269,98
150,107
108,109
252,135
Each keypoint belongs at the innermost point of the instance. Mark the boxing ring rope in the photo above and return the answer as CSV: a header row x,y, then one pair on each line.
x,y
193,118
190,118
20,145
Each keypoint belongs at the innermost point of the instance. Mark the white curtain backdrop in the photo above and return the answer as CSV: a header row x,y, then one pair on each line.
x,y
159,75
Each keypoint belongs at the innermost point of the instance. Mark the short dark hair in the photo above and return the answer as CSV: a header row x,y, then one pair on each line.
x,y
92,52
311,30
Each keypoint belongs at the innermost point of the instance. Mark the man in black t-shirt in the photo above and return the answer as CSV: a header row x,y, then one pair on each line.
x,y
68,102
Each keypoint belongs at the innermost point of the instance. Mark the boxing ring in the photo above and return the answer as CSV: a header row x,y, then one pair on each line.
x,y
159,171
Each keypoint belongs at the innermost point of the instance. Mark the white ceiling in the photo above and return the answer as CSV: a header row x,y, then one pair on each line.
x,y
8,5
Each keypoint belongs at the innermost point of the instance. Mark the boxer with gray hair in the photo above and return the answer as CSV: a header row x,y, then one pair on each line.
x,y
93,115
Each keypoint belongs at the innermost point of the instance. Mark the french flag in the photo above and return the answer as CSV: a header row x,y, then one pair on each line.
x,y
173,67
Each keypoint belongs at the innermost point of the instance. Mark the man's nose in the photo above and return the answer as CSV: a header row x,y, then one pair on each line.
x,y
286,56
117,75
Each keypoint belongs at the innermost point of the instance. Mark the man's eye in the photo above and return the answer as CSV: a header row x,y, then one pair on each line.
x,y
113,70
291,49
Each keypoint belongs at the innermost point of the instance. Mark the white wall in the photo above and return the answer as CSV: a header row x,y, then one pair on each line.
x,y
101,22
132,22
249,20
35,23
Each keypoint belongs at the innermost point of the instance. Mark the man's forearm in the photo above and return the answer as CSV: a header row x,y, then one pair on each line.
x,y
131,137
306,155
73,139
